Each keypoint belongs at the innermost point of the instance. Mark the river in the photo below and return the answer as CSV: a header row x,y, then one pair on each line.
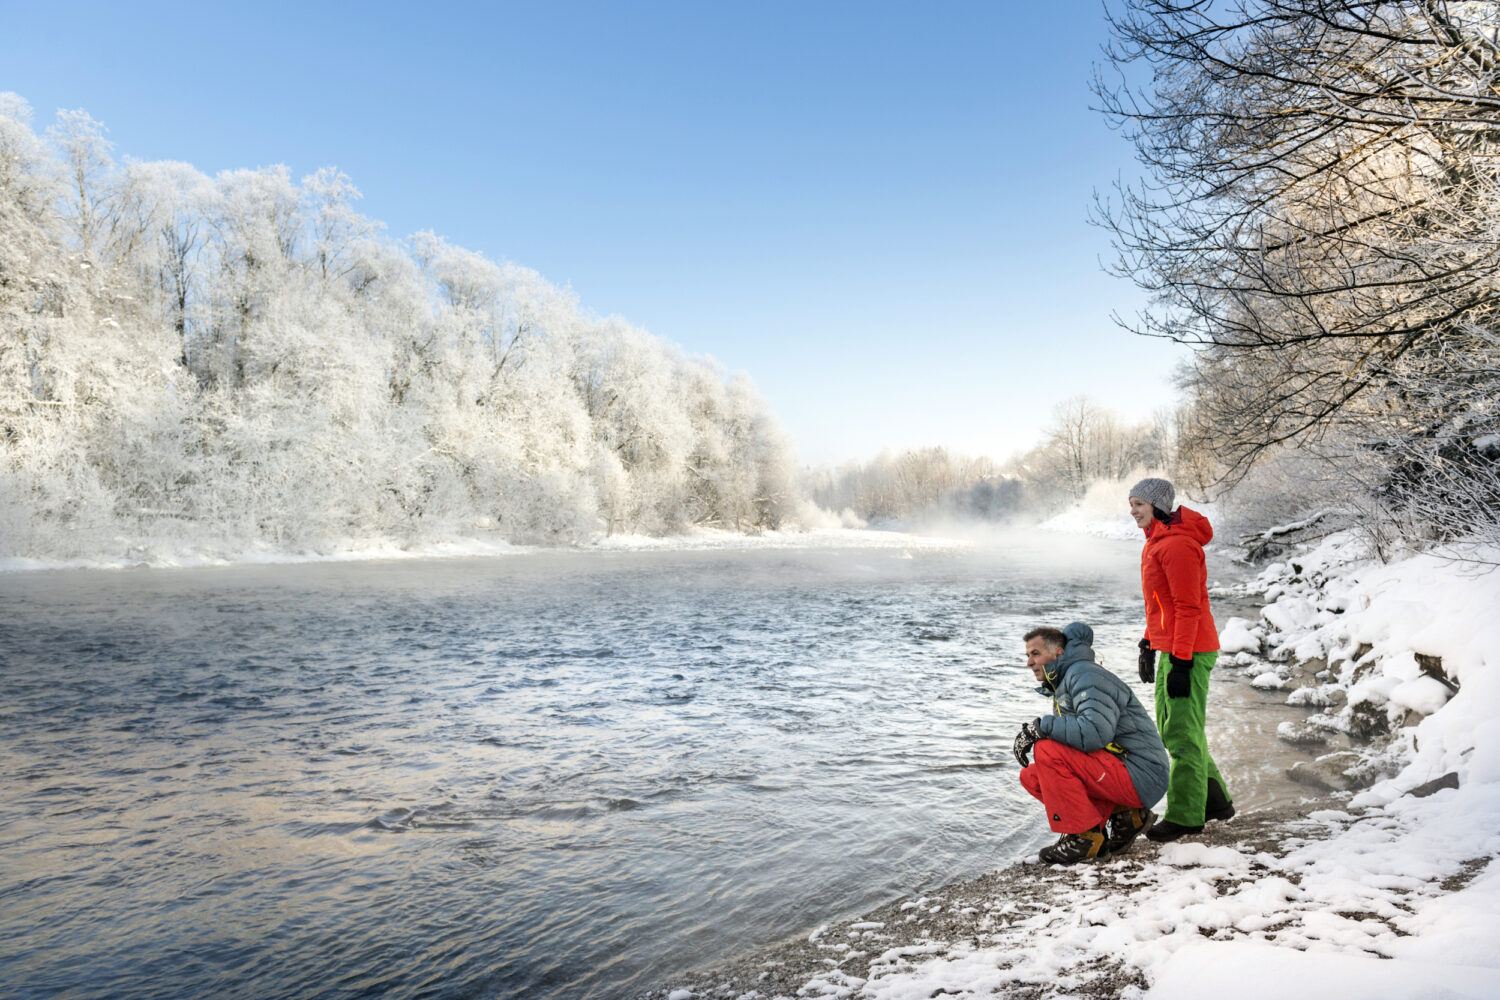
x,y
549,775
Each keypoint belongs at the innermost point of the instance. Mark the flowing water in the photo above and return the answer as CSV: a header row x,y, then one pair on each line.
x,y
544,775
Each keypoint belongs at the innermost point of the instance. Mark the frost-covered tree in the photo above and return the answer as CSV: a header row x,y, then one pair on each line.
x,y
246,361
915,483
1319,218
164,203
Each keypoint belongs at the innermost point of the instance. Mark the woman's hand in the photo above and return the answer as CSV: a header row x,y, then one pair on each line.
x,y
1180,678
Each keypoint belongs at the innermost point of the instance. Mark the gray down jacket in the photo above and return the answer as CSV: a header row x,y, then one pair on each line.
x,y
1095,708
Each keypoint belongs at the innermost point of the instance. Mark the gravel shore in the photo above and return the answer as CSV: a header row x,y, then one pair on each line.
x,y
970,914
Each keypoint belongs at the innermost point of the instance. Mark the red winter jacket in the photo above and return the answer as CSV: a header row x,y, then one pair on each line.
x,y
1174,581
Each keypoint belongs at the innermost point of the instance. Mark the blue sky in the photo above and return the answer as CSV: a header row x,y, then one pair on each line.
x,y
876,209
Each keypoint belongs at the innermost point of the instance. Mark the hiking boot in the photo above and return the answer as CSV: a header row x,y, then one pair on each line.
x,y
1124,825
1219,807
1167,830
1074,847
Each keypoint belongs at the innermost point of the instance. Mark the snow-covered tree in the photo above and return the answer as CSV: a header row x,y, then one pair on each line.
x,y
246,361
1319,218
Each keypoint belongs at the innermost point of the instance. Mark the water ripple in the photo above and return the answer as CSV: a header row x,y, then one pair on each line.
x,y
551,776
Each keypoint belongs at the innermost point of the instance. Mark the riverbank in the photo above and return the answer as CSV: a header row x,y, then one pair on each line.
x,y
1377,885
697,540
1031,930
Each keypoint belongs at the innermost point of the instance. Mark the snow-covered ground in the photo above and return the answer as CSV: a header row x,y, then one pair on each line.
x,y
1388,893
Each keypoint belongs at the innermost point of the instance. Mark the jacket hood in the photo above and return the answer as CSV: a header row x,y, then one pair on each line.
x,y
1184,521
1079,632
1080,648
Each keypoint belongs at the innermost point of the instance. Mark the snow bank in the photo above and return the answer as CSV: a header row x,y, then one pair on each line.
x,y
481,548
1411,644
1250,970
184,555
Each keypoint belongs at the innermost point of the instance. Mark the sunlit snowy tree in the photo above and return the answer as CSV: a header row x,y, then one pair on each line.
x,y
245,361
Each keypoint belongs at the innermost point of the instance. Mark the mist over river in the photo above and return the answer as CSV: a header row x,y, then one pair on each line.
x,y
556,774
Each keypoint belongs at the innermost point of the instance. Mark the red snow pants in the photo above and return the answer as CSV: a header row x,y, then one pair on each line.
x,y
1078,789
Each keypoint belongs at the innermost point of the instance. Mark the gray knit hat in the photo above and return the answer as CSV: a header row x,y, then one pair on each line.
x,y
1157,492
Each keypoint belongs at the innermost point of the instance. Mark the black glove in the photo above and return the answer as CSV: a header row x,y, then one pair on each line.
x,y
1025,740
1146,662
1180,678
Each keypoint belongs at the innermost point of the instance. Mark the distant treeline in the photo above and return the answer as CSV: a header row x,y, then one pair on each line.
x,y
245,361
1084,444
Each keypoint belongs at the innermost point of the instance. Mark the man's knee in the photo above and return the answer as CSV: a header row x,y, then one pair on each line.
x,y
1050,751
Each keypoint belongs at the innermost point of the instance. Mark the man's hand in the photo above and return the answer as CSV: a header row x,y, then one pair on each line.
x,y
1146,662
1025,740
1180,678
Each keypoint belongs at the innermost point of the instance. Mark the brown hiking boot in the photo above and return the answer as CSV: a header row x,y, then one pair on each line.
x,y
1074,847
1124,825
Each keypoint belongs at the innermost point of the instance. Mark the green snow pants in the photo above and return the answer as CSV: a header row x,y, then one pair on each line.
x,y
1182,721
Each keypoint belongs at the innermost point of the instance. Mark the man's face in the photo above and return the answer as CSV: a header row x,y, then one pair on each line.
x,y
1140,511
1038,655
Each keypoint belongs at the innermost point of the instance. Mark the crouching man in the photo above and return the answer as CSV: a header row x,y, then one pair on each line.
x,y
1099,761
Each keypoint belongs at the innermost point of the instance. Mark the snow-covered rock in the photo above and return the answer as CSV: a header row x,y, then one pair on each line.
x,y
1421,694
1291,614
1317,697
1300,735
1240,636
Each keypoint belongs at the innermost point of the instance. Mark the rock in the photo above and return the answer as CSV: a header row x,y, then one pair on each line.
x,y
1367,719
1449,780
1432,666
1322,696
1329,772
1301,735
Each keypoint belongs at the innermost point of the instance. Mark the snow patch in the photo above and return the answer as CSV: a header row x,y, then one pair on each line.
x,y
1202,856
1253,970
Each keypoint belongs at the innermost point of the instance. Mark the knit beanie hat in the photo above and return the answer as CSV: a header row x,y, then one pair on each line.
x,y
1157,492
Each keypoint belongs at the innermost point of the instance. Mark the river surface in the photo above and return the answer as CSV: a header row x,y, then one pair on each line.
x,y
543,775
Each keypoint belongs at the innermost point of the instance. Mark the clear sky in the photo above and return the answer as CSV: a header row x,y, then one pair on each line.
x,y
876,209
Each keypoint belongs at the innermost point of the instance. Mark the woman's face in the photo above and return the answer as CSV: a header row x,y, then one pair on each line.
x,y
1140,510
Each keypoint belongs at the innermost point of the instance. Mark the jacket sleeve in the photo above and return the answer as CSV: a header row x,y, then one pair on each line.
x,y
1187,579
1094,723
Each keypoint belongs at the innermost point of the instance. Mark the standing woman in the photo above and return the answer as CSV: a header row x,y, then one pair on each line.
x,y
1178,652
